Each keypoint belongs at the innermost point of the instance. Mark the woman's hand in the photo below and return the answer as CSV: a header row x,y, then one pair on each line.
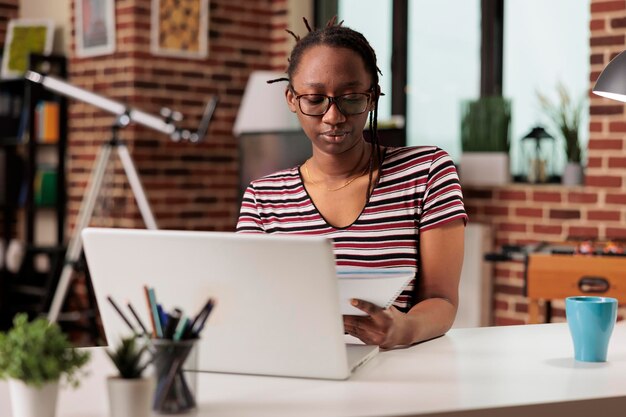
x,y
383,327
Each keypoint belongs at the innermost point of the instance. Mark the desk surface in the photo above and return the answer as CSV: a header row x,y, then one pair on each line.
x,y
516,370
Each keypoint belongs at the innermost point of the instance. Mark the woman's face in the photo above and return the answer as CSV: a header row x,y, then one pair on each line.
x,y
331,71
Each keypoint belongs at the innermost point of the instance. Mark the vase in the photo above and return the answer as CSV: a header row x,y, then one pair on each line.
x,y
30,401
572,174
130,397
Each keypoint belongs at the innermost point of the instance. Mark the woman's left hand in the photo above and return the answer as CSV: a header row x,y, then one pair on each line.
x,y
385,327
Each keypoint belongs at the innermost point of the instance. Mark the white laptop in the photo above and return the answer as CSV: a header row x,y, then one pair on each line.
x,y
277,310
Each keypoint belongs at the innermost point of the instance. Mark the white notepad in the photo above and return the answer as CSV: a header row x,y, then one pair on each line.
x,y
380,286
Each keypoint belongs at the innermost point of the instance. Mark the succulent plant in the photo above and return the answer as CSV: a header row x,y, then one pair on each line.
x,y
128,358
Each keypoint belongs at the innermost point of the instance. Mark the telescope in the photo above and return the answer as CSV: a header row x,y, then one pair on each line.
x,y
166,123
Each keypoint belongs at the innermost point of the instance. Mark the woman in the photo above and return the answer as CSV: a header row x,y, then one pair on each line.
x,y
383,207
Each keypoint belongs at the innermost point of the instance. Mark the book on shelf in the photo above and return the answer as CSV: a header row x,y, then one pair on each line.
x,y
47,121
45,186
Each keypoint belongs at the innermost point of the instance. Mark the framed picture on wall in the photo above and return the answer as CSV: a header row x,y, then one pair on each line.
x,y
95,27
179,28
25,36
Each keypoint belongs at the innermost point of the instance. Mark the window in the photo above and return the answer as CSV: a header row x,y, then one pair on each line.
x,y
373,19
545,43
443,70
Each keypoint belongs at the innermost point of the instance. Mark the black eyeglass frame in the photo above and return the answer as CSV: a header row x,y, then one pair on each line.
x,y
330,100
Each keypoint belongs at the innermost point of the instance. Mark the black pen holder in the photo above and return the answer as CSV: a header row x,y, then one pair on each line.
x,y
174,393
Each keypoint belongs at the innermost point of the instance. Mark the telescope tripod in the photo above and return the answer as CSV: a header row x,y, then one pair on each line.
x,y
85,214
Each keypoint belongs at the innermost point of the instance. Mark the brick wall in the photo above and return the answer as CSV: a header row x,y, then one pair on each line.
x,y
8,10
189,186
526,214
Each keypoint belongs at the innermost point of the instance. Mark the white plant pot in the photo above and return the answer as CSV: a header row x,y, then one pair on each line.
x,y
30,401
572,174
130,397
484,168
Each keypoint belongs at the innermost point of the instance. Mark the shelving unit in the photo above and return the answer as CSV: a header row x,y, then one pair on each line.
x,y
30,287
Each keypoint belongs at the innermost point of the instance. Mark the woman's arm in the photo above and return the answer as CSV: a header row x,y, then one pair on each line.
x,y
441,259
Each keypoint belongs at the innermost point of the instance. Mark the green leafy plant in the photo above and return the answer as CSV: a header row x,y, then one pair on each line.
x,y
565,117
485,124
38,352
128,358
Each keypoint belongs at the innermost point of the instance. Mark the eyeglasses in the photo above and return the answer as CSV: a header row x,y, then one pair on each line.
x,y
318,104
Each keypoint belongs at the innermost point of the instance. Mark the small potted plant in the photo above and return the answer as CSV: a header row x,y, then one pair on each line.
x,y
34,356
130,394
485,128
565,117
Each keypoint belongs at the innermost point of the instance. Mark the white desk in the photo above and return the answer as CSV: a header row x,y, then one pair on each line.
x,y
496,371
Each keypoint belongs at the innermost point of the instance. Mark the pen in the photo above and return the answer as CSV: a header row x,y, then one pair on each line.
x,y
189,332
134,313
181,329
172,323
207,311
122,315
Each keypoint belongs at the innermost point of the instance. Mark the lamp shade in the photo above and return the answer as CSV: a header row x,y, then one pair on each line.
x,y
612,81
263,107
538,133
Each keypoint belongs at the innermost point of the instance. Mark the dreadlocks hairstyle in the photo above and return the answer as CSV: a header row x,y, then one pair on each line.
x,y
336,35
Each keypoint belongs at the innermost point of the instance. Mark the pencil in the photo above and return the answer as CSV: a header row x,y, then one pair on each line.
x,y
147,294
122,315
155,312
134,313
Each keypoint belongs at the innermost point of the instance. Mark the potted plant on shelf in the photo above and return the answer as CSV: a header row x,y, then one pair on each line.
x,y
34,356
130,393
565,118
485,126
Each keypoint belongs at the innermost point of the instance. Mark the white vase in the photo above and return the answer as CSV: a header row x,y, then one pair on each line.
x,y
30,401
130,397
572,174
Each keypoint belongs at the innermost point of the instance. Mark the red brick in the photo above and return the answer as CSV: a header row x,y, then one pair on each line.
x,y
615,199
505,195
616,233
595,127
547,230
582,198
606,109
605,144
496,211
547,196
508,289
607,6
603,181
583,232
604,215
500,305
617,162
594,162
617,127
564,214
619,22
521,307
511,227
597,24
529,212
505,321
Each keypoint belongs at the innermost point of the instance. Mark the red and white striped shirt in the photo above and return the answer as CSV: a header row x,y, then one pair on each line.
x,y
418,190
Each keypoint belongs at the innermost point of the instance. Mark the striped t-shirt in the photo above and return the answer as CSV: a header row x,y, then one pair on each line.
x,y
418,189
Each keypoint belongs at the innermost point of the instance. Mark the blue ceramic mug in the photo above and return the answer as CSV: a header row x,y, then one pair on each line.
x,y
591,321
